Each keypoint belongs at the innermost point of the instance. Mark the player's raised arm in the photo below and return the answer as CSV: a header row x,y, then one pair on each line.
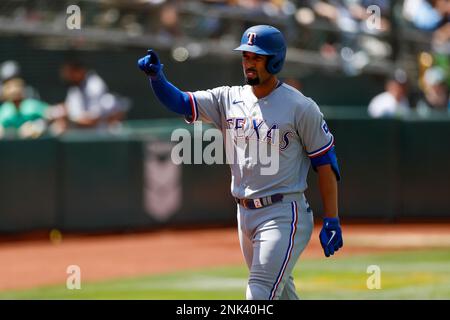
x,y
174,99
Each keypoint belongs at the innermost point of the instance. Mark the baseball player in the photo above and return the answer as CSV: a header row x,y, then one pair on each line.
x,y
275,221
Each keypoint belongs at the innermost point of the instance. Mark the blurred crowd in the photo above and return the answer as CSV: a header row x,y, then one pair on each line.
x,y
412,35
88,103
398,101
335,21
350,32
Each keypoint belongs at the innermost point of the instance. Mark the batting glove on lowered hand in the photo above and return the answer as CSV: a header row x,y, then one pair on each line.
x,y
331,236
150,64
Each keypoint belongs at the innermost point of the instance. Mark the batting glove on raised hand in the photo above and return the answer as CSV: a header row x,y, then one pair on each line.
x,y
331,236
150,64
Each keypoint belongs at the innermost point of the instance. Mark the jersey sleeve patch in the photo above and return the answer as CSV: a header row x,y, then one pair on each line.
x,y
325,128
322,150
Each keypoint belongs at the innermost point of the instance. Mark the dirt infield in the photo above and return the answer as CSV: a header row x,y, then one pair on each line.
x,y
31,263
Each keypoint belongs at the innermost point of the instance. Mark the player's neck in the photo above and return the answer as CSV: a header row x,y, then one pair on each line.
x,y
264,89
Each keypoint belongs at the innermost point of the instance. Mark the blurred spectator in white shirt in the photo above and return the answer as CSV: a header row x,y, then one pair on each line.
x,y
393,102
88,102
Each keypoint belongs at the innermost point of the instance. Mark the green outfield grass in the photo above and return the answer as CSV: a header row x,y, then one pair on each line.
x,y
404,275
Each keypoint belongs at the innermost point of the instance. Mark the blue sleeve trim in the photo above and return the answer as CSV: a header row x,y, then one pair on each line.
x,y
327,158
172,97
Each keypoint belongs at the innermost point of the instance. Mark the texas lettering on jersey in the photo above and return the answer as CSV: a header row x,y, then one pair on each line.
x,y
285,121
258,129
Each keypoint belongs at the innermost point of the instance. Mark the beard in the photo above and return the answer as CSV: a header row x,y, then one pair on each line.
x,y
253,82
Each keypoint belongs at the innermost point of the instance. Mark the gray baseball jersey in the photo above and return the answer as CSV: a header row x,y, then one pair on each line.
x,y
273,237
303,133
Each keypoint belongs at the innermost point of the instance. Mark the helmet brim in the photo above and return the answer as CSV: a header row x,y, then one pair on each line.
x,y
254,49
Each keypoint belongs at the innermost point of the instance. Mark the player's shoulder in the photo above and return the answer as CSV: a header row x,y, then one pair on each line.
x,y
220,90
233,91
297,98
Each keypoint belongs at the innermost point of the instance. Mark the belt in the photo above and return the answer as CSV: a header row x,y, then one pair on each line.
x,y
259,202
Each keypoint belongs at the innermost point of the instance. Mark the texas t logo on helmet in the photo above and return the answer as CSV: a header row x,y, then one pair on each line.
x,y
251,38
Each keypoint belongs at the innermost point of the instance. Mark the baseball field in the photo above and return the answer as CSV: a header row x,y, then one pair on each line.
x,y
399,261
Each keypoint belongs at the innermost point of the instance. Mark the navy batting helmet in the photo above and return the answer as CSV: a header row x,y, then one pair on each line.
x,y
265,40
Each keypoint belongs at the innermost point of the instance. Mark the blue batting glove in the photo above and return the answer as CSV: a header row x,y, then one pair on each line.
x,y
331,236
150,64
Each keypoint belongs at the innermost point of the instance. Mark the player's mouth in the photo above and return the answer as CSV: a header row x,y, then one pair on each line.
x,y
250,73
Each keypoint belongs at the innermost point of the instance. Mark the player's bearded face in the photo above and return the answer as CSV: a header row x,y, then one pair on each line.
x,y
254,67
